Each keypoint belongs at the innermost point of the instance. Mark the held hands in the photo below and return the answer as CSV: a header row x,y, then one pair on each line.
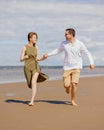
x,y
92,66
45,56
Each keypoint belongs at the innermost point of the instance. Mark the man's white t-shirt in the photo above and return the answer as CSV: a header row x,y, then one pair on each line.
x,y
73,54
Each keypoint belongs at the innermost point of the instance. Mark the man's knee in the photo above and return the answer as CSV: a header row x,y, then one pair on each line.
x,y
74,85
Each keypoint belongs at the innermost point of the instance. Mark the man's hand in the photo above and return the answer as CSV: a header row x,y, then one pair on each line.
x,y
45,56
92,66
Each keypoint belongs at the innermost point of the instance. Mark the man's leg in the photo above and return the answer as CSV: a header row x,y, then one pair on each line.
x,y
73,93
67,89
67,80
75,80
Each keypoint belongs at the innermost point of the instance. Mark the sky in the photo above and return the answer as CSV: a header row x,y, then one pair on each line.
x,y
50,18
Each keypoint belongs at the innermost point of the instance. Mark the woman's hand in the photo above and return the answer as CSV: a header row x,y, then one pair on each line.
x,y
26,57
42,58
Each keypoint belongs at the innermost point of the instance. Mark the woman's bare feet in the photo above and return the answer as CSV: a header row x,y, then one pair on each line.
x,y
31,104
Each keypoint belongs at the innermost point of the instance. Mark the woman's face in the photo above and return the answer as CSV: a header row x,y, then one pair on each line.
x,y
33,39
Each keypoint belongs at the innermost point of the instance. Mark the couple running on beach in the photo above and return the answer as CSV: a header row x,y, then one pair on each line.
x,y
73,49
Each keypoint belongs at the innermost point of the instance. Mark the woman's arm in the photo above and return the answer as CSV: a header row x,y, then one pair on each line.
x,y
23,57
38,58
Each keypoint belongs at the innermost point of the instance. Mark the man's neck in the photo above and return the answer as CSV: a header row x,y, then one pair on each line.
x,y
72,40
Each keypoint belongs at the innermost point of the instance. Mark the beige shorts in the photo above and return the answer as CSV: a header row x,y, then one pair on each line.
x,y
71,76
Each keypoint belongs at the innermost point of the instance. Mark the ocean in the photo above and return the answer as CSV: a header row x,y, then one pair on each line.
x,y
10,74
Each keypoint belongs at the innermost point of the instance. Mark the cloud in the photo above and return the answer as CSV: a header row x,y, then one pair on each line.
x,y
50,19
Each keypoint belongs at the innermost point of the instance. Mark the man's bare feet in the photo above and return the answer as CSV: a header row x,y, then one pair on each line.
x,y
67,89
73,103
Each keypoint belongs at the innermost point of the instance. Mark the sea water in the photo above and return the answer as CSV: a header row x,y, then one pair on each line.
x,y
10,74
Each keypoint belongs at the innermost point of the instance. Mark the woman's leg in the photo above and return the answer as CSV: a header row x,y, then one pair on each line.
x,y
34,85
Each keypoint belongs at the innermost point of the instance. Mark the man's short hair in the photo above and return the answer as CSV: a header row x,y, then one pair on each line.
x,y
71,31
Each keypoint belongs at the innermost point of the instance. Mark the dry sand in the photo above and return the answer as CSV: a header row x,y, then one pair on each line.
x,y
52,109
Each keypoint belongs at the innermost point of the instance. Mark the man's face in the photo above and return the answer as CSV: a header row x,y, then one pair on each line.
x,y
68,35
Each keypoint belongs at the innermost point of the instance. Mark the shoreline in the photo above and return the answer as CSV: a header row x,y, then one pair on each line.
x,y
16,74
52,79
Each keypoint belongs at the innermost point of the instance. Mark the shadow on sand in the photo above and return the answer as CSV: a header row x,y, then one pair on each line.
x,y
16,101
39,101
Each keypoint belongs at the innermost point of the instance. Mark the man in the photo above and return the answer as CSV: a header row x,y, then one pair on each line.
x,y
73,49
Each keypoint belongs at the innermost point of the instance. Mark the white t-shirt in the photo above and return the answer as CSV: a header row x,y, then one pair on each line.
x,y
73,58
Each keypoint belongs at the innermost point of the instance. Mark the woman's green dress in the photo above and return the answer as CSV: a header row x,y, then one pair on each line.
x,y
32,66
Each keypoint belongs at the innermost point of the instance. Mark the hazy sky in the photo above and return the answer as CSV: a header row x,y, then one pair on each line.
x,y
50,18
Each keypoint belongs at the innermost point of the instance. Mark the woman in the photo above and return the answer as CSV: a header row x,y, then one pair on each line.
x,y
31,69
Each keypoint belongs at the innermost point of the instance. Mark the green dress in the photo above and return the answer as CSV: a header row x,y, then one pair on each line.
x,y
32,66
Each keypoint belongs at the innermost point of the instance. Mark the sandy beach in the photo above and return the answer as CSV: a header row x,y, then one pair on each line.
x,y
52,109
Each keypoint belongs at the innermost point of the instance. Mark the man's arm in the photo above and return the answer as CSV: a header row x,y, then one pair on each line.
x,y
85,51
54,52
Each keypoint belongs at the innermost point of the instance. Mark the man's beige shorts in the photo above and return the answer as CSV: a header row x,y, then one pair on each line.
x,y
71,76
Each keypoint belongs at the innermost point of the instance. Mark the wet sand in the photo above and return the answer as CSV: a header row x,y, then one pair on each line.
x,y
52,109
